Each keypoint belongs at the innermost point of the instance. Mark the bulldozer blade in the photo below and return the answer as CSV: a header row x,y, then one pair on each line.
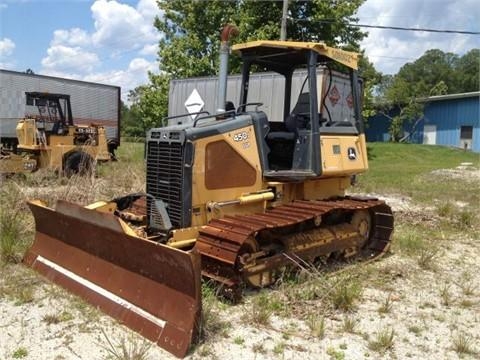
x,y
151,288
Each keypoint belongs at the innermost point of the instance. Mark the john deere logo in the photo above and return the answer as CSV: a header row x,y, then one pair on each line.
x,y
352,154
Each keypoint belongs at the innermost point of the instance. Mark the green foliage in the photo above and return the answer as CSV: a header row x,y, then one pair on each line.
x,y
20,353
149,106
335,354
212,323
131,120
434,73
468,69
345,295
316,324
192,28
383,341
191,40
14,231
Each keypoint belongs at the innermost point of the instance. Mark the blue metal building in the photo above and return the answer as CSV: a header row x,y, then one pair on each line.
x,y
450,120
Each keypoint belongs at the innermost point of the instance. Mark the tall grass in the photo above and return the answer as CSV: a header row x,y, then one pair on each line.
x,y
15,223
127,175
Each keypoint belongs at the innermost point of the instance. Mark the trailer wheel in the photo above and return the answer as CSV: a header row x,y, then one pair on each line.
x,y
79,163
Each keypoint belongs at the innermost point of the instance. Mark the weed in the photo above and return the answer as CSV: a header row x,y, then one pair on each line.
x,y
465,219
258,348
468,287
410,242
383,340
279,348
261,310
316,324
446,295
20,353
66,316
386,306
463,343
415,329
126,349
427,258
18,285
349,324
211,323
343,296
239,340
466,303
24,295
446,209
205,351
335,354
51,319
56,318
13,224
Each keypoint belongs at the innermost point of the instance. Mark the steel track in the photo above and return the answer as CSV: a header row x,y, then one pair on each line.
x,y
222,241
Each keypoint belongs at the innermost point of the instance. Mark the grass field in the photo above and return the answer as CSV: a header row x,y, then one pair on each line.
x,y
421,301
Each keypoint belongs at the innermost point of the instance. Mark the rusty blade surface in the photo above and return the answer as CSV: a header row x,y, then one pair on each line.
x,y
150,287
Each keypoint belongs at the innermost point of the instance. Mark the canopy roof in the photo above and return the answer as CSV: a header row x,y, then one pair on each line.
x,y
292,53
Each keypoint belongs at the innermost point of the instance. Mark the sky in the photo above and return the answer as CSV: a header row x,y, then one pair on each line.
x,y
114,41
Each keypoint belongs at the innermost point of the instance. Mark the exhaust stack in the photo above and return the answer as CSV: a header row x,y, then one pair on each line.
x,y
228,32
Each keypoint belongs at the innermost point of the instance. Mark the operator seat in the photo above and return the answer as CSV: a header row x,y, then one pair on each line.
x,y
300,115
298,119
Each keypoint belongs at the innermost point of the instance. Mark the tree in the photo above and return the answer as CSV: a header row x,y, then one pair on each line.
x,y
191,29
434,73
371,79
397,102
149,105
468,71
191,39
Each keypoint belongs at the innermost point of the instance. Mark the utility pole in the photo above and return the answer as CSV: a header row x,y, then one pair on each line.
x,y
283,28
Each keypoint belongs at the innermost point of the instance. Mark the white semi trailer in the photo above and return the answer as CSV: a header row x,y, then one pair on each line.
x,y
266,88
91,103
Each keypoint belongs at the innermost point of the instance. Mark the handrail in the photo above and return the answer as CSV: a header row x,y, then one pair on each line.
x,y
257,104
230,112
184,115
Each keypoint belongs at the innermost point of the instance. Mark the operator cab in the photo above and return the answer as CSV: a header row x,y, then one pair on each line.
x,y
291,145
55,113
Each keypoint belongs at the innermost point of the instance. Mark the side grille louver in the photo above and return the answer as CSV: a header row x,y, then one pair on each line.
x,y
165,177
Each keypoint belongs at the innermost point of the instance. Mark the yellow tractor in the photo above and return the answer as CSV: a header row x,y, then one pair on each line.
x,y
233,197
51,140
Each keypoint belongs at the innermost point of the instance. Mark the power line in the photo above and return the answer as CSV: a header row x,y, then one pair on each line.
x,y
418,29
443,31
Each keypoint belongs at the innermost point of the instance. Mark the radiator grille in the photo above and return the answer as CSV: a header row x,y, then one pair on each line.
x,y
165,176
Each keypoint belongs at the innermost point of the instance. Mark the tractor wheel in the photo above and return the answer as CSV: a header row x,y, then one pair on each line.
x,y
79,163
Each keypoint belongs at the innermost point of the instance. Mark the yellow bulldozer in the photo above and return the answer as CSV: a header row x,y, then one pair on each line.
x,y
51,140
232,197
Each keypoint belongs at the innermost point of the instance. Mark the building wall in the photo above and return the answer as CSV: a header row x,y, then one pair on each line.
x,y
448,116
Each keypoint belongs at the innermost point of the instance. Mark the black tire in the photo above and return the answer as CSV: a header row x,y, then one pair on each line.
x,y
79,163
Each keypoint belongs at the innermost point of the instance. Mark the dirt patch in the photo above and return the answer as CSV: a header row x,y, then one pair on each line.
x,y
465,172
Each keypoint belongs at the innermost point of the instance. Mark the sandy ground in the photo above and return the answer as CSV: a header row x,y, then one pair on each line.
x,y
430,308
